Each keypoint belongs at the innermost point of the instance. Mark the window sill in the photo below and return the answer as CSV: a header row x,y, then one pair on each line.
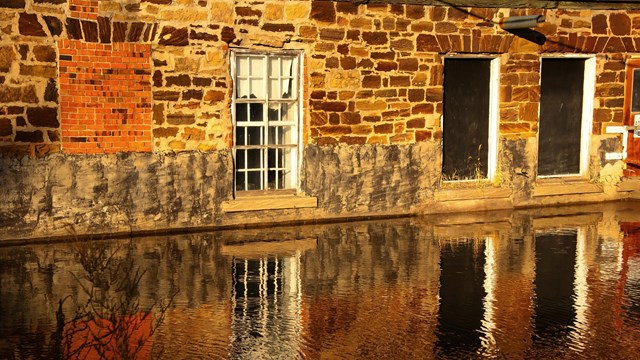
x,y
268,202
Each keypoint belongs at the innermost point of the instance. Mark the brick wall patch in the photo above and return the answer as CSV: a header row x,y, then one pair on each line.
x,y
105,97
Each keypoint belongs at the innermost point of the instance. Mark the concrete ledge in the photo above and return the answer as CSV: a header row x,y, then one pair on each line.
x,y
565,188
269,202
472,194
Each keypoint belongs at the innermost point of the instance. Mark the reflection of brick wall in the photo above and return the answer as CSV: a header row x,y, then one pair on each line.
x,y
105,97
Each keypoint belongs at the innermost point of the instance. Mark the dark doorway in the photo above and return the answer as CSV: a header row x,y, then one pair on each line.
x,y
467,94
560,133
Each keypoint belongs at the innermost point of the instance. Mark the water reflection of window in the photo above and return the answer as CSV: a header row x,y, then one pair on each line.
x,y
266,117
266,307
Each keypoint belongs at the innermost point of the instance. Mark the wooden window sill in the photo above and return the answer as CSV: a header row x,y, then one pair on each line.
x,y
269,202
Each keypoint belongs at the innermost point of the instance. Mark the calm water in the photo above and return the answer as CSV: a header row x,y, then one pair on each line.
x,y
553,283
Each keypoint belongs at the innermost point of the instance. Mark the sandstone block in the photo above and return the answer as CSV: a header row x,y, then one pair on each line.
x,y
12,4
620,24
185,15
177,145
192,95
371,105
193,134
446,28
273,11
599,24
54,135
26,94
332,34
6,128
427,43
387,66
158,114
174,36
7,57
157,2
166,95
44,53
29,25
221,12
296,10
335,130
323,11
350,118
410,64
402,45
375,37
271,27
44,71
51,91
178,80
165,132
90,30
43,117
54,25
181,119
214,96
29,136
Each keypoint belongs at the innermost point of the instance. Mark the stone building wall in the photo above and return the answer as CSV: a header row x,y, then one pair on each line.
x,y
152,77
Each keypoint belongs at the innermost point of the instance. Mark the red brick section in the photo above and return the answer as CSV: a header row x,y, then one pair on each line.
x,y
84,9
105,97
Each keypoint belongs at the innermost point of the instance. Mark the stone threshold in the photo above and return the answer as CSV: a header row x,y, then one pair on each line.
x,y
472,194
269,202
629,184
564,186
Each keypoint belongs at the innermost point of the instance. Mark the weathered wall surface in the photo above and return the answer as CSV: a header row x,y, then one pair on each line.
x,y
145,191
156,75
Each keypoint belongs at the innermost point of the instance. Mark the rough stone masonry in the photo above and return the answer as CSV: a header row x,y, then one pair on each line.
x,y
115,115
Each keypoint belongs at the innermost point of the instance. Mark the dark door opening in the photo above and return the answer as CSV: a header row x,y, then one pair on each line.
x,y
560,130
467,94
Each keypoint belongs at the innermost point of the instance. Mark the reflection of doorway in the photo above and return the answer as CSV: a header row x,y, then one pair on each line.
x,y
470,118
554,285
566,106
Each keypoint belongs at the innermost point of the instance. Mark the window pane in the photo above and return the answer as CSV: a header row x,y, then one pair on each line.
x,y
240,181
254,135
272,158
257,66
273,175
274,88
288,87
254,159
257,89
287,66
274,113
242,89
242,66
255,112
289,112
274,66
241,112
281,135
253,180
240,163
240,133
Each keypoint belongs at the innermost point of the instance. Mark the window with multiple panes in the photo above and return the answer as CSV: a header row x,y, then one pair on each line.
x,y
266,106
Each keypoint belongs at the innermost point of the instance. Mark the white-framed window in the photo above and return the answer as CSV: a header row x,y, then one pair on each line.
x,y
266,117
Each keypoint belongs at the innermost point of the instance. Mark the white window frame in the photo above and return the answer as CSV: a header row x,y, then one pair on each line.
x,y
296,124
588,96
494,113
